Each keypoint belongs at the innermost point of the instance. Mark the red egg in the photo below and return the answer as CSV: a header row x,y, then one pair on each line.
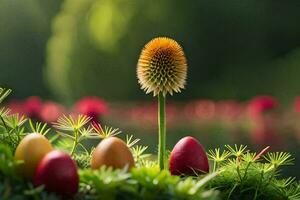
x,y
58,173
188,157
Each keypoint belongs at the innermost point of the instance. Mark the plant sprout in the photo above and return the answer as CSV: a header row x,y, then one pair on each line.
x,y
243,174
39,127
74,129
106,132
162,69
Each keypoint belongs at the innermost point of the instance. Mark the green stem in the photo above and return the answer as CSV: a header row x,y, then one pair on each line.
x,y
238,168
162,130
259,185
272,174
75,142
246,170
17,132
215,166
231,191
239,173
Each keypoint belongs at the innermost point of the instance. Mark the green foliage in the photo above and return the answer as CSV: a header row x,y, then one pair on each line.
x,y
19,190
105,183
247,175
106,132
83,159
141,159
141,183
39,127
11,125
7,163
12,130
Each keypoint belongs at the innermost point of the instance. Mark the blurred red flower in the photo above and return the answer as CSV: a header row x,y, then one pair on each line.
x,y
51,111
91,106
261,104
33,106
16,106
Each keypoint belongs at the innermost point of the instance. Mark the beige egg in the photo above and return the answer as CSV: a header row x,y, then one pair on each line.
x,y
31,150
112,152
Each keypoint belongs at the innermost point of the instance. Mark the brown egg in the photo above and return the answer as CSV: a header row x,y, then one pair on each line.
x,y
112,152
31,150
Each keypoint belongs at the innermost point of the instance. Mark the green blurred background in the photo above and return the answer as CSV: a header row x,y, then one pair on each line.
x,y
67,49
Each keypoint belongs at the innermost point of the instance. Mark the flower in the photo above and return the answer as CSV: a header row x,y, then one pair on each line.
x,y
33,106
91,106
261,104
51,111
16,106
162,67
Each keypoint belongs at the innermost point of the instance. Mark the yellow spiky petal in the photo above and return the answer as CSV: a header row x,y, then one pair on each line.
x,y
162,67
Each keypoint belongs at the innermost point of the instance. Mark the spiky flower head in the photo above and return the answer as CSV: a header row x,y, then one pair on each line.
x,y
162,67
